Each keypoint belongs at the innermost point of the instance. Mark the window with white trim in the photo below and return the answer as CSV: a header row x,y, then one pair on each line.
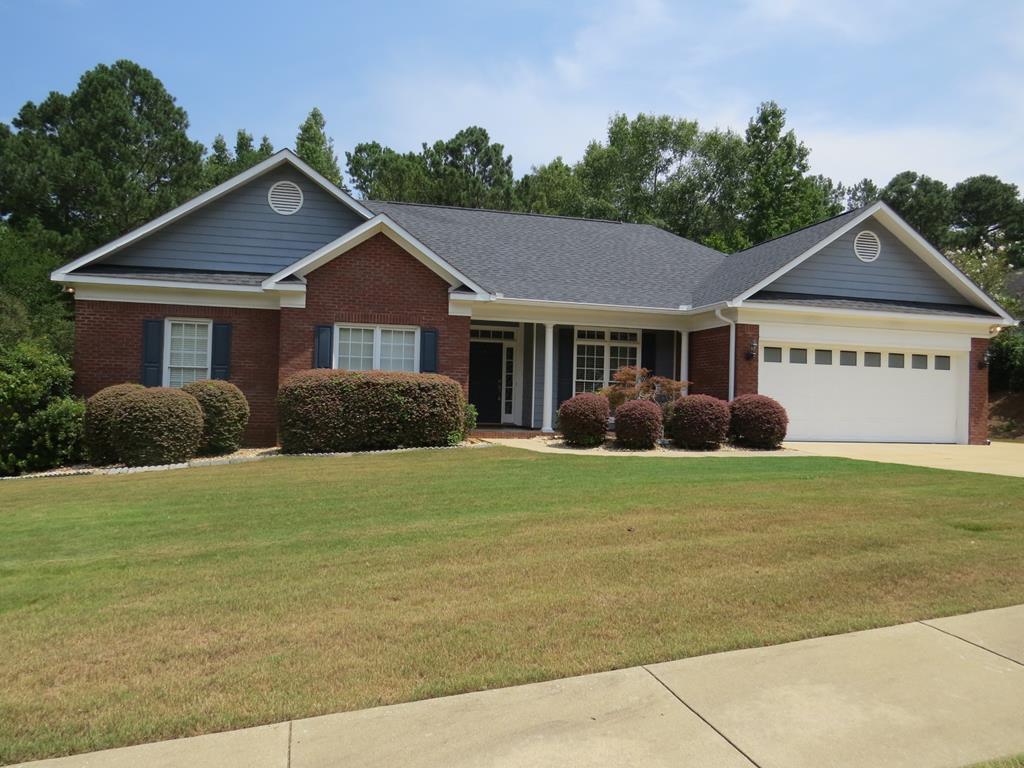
x,y
600,353
377,348
186,351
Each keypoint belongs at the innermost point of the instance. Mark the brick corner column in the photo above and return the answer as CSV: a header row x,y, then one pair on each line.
x,y
977,433
746,369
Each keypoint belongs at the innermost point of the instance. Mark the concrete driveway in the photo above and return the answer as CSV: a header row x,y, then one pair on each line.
x,y
1000,458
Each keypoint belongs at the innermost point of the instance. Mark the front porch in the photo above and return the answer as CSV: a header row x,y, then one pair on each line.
x,y
521,372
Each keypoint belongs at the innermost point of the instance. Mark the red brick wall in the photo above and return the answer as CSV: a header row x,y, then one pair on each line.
x,y
375,282
978,407
108,350
709,362
746,370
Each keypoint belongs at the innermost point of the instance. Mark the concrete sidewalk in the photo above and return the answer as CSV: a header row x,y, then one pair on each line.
x,y
1000,458
947,692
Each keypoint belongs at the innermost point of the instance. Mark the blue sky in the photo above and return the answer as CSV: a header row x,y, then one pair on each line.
x,y
871,89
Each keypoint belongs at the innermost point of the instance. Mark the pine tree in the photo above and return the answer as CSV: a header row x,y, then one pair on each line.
x,y
314,146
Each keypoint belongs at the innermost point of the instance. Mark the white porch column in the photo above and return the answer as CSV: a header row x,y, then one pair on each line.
x,y
684,356
549,376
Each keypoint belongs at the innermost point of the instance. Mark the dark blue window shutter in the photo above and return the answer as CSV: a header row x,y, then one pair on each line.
x,y
323,338
152,353
564,350
428,350
220,355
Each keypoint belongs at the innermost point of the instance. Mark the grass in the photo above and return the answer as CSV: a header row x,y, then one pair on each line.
x,y
1007,762
150,606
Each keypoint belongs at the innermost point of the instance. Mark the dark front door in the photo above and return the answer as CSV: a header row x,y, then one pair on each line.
x,y
485,380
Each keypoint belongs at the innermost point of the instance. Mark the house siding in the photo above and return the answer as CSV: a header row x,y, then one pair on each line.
x,y
897,274
376,282
240,233
709,362
108,350
746,369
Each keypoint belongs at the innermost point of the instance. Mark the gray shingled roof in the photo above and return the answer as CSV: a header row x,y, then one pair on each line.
x,y
745,269
555,258
878,305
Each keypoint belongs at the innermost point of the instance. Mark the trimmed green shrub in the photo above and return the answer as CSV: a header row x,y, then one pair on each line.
x,y
325,411
638,424
157,425
583,419
40,421
100,416
757,421
225,415
469,417
698,422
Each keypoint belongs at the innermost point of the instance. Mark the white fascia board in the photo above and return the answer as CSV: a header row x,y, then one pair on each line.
x,y
542,303
794,263
186,296
141,283
882,314
275,160
379,224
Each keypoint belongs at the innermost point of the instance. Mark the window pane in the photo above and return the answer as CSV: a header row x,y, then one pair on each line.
x,y
509,378
585,334
895,360
397,350
355,349
623,336
773,354
589,367
872,359
823,357
619,357
797,355
189,355
942,362
847,357
920,362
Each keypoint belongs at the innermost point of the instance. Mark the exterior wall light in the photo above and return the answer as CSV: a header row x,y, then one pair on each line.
x,y
752,350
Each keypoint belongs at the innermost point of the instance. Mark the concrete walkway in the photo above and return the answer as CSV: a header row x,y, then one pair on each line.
x,y
947,692
1000,458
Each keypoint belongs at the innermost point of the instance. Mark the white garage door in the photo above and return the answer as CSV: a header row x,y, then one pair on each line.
x,y
866,394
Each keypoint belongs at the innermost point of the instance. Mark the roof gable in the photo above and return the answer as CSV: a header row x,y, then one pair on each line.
x,y
223,237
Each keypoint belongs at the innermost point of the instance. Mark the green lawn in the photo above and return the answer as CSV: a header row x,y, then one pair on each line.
x,y
149,606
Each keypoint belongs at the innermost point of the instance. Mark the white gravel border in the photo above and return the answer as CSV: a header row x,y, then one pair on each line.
x,y
240,457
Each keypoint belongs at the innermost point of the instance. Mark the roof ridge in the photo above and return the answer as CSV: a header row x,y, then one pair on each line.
x,y
796,231
498,210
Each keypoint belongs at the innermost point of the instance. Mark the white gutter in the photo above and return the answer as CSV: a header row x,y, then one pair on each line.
x,y
732,351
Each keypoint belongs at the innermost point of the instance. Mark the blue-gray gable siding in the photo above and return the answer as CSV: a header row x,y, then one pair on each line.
x,y
240,233
896,275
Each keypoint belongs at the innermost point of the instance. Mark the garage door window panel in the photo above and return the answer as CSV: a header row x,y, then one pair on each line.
x,y
823,357
872,359
798,355
773,354
847,357
896,360
919,362
942,362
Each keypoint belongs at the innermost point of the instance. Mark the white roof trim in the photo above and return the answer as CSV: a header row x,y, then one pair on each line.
x,y
142,282
886,314
275,160
497,299
923,249
379,224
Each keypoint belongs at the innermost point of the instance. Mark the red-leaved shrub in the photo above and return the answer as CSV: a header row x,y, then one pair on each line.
x,y
583,419
326,411
757,421
638,424
698,422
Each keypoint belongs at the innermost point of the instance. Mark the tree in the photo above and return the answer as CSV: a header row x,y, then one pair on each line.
x,y
314,146
553,189
469,170
221,163
988,213
104,159
779,197
861,194
924,202
630,173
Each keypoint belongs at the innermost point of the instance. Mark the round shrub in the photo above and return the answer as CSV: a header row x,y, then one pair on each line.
x,y
698,422
757,421
225,415
100,417
325,411
583,419
158,425
638,424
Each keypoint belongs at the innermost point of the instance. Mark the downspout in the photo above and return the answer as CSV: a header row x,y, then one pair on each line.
x,y
732,351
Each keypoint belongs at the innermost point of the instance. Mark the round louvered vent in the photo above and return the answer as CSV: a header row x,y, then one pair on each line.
x,y
285,197
867,246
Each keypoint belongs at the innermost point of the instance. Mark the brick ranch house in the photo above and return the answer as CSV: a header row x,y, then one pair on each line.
x,y
856,324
